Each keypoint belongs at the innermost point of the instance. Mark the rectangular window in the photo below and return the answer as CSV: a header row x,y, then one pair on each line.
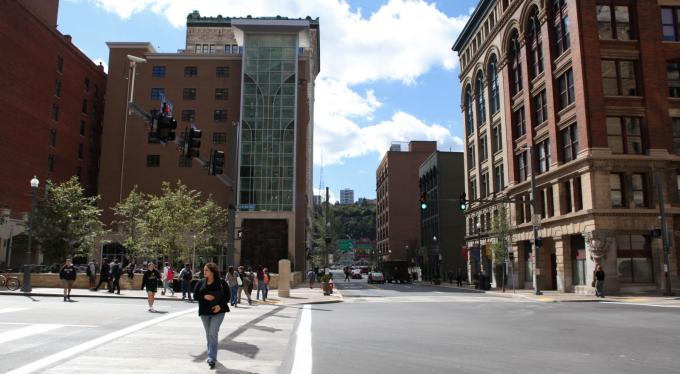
x,y
544,158
205,49
60,64
676,135
55,112
473,188
541,106
497,139
220,115
153,161
550,203
566,84
484,190
80,151
669,23
190,71
86,84
212,48
53,138
188,115
520,126
198,49
483,154
50,163
219,138
57,87
614,22
185,162
634,259
157,93
221,94
189,93
158,71
638,190
569,137
619,78
499,183
522,166
82,128
578,194
471,156
222,71
616,190
561,27
673,77
566,193
624,135
84,106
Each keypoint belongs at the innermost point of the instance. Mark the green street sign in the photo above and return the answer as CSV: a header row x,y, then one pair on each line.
x,y
345,245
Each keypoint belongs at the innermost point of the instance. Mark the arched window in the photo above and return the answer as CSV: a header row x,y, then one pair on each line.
x,y
515,64
494,99
561,26
481,103
535,45
469,127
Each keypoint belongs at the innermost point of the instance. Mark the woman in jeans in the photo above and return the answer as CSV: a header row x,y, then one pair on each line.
x,y
232,282
212,294
598,278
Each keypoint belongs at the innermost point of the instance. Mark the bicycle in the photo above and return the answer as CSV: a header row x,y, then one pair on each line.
x,y
12,283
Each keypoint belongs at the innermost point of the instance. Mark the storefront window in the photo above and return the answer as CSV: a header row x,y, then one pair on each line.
x,y
634,262
578,253
528,263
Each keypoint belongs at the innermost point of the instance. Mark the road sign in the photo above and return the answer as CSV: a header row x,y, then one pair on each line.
x,y
536,220
345,245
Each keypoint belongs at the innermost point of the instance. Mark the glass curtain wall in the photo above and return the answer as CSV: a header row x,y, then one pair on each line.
x,y
268,122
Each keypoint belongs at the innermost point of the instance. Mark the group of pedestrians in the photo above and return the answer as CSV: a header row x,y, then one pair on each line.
x,y
109,274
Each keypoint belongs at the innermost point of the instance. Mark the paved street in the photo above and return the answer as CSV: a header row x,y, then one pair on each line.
x,y
391,328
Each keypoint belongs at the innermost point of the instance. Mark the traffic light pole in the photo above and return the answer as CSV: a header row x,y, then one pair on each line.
x,y
664,235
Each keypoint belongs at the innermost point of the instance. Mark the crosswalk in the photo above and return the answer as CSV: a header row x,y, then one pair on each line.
x,y
252,340
433,298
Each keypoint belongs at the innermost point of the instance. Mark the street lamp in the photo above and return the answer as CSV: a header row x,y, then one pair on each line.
x,y
536,224
479,248
27,264
193,259
134,60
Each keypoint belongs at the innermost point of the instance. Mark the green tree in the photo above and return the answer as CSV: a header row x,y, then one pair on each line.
x,y
210,227
131,215
501,230
325,226
67,223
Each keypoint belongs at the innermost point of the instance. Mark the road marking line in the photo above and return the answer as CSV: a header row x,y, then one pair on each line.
x,y
27,331
641,304
94,343
10,310
30,323
302,363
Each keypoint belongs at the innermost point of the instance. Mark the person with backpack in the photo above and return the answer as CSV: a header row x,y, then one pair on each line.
x,y
150,281
233,281
67,274
92,273
212,294
116,272
168,276
248,283
185,276
104,275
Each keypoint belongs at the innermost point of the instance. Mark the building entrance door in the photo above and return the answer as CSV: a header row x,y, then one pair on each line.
x,y
553,271
264,242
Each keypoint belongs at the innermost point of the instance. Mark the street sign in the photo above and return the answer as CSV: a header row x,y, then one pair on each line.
x,y
345,245
536,220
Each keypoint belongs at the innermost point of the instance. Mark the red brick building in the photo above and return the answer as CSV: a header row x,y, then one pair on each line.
x,y
398,193
51,104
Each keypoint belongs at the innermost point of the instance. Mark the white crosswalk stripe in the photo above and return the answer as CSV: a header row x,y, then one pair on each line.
x,y
24,332
431,299
10,310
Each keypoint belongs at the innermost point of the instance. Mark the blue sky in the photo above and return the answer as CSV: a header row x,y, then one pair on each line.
x,y
387,71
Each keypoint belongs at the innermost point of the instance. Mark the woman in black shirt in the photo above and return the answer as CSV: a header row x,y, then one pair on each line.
x,y
212,294
150,281
67,274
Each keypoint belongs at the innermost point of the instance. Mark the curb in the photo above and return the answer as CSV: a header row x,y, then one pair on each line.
x,y
94,296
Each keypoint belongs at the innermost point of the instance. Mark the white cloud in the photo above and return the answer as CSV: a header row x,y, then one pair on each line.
x,y
400,41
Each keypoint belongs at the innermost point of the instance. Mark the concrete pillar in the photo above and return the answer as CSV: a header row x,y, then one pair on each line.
x,y
564,263
284,278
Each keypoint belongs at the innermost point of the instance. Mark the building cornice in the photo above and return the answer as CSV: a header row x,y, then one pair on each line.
x,y
146,45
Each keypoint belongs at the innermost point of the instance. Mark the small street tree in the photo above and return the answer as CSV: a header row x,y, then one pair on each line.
x,y
67,223
210,227
500,231
131,215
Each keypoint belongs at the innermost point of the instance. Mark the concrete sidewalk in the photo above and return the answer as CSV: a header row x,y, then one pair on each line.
x,y
556,296
300,295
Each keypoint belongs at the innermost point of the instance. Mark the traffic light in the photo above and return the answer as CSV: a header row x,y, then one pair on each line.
x,y
192,144
462,203
538,242
423,201
217,163
162,126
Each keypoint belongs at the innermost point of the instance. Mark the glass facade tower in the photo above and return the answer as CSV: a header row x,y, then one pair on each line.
x,y
268,116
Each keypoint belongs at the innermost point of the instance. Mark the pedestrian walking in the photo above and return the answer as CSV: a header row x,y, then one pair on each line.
x,y
260,283
104,275
131,270
241,274
248,283
67,274
116,272
212,294
598,281
267,278
348,273
233,280
168,276
311,277
150,281
92,273
449,275
459,278
185,276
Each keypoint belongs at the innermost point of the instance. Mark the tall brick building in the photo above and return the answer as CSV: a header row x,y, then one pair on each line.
x,y
51,106
248,84
398,191
583,94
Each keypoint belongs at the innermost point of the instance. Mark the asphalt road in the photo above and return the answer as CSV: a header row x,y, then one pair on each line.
x,y
422,329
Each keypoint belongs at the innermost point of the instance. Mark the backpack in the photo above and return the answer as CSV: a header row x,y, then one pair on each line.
x,y
186,275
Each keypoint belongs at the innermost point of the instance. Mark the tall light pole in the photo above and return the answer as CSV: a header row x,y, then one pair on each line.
x,y
193,259
27,265
534,223
130,97
478,227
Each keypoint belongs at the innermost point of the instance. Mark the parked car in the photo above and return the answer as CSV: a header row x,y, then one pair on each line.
x,y
356,274
364,269
376,277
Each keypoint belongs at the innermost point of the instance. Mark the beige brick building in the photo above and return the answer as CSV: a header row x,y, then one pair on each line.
x,y
581,94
